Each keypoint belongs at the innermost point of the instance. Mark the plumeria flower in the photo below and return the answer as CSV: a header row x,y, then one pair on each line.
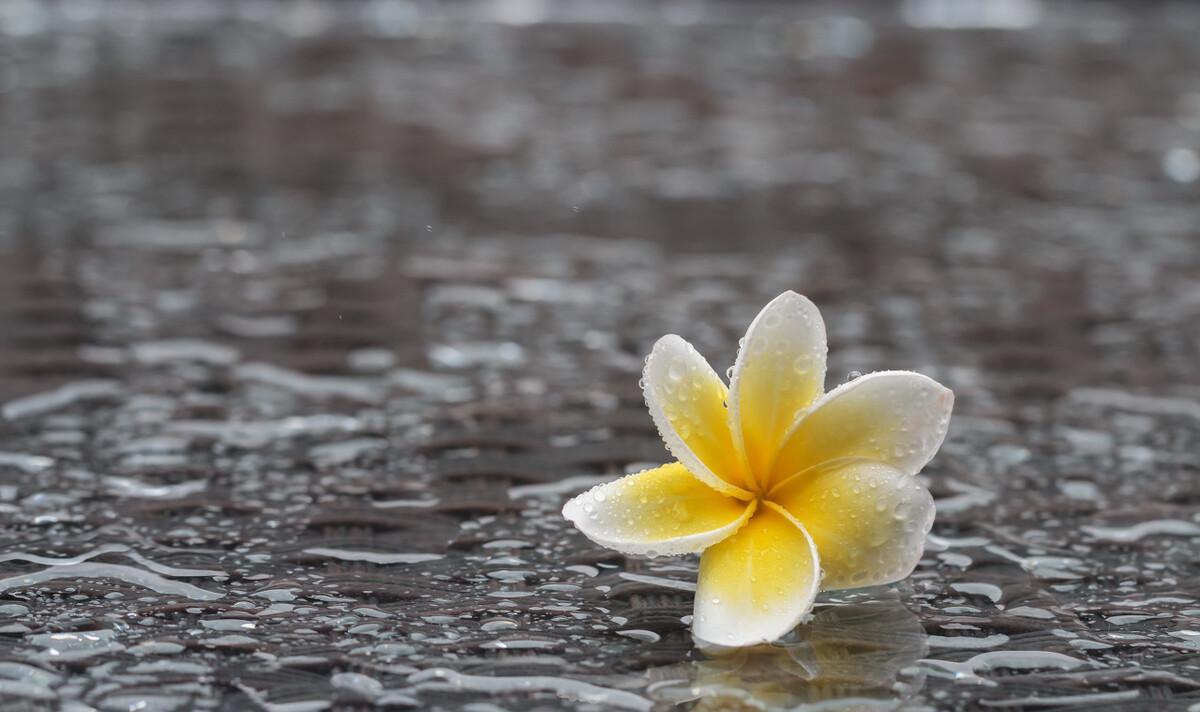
x,y
786,490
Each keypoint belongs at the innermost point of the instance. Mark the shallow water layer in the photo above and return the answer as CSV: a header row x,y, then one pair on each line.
x,y
311,319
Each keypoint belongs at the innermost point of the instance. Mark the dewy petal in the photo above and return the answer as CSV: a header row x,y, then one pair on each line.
x,y
757,584
780,371
662,511
687,401
868,520
895,417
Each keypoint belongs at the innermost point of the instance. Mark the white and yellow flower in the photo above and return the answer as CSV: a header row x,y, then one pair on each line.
x,y
786,490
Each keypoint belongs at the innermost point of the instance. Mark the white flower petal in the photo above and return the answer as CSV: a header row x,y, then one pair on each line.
x,y
662,511
895,417
759,583
868,520
687,401
779,372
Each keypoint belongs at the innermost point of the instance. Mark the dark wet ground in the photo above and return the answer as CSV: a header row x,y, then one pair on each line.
x,y
311,317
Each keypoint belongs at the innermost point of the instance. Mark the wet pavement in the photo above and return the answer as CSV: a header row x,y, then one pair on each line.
x,y
312,317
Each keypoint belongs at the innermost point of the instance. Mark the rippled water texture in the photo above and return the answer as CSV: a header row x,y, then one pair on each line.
x,y
312,316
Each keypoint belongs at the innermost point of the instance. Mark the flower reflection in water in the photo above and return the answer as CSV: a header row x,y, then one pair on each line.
x,y
852,656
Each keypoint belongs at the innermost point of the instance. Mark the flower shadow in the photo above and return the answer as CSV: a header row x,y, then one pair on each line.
x,y
851,656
